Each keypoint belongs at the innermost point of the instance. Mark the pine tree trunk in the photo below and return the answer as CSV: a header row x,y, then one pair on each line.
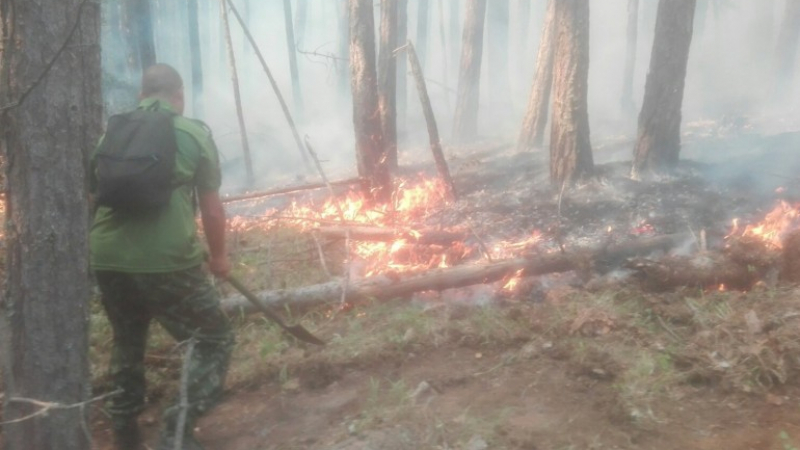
x,y
498,18
659,139
290,44
196,58
49,121
627,103
138,23
465,125
370,154
786,51
248,160
570,144
387,80
535,122
423,13
402,68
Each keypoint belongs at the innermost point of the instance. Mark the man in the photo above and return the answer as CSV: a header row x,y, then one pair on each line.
x,y
149,266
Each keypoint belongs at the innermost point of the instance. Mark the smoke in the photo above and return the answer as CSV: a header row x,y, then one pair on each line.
x,y
729,77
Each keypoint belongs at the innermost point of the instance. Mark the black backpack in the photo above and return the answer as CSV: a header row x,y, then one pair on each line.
x,y
135,163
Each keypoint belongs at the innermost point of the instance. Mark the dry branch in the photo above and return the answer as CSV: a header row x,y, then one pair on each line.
x,y
383,287
290,189
365,233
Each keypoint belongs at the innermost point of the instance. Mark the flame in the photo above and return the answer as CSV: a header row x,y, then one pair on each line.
x,y
776,224
513,282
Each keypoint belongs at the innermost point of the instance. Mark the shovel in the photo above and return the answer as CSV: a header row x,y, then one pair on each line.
x,y
295,330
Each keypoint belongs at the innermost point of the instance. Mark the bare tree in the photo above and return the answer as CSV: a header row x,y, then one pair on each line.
x,y
138,26
659,138
627,103
49,80
387,80
290,44
465,124
570,145
370,154
196,58
535,121
786,51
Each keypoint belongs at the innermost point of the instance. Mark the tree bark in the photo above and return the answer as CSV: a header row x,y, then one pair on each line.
x,y
423,13
535,121
659,139
430,120
138,22
49,120
632,32
297,94
248,161
786,51
465,124
196,58
387,80
370,150
570,145
381,287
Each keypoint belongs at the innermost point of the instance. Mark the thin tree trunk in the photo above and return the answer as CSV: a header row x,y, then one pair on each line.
x,y
628,105
49,120
248,161
370,150
197,60
430,120
402,68
387,80
570,145
786,51
138,23
659,139
498,20
301,21
290,44
465,125
423,13
535,121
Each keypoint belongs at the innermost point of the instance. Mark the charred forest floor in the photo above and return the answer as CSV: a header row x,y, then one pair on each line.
x,y
589,359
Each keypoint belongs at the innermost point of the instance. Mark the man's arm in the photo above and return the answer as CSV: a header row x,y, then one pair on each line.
x,y
213,215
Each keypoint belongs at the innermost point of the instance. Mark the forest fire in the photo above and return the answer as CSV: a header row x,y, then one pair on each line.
x,y
774,227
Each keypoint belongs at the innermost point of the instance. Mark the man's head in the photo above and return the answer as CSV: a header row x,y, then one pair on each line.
x,y
163,82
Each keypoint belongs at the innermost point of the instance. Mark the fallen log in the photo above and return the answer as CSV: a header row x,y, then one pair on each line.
x,y
386,287
365,233
289,190
669,273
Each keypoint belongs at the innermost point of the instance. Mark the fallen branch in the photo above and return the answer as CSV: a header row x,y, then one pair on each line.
x,y
365,233
289,190
383,287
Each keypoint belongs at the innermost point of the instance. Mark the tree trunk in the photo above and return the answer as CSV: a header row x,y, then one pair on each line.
x,y
627,103
402,68
248,161
535,121
197,60
455,32
290,44
786,51
465,125
423,13
138,23
498,20
570,145
300,22
370,151
659,142
49,120
387,80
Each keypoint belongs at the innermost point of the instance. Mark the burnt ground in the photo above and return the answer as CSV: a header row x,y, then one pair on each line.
x,y
569,363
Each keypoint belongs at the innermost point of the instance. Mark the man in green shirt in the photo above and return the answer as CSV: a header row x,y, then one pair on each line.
x,y
149,266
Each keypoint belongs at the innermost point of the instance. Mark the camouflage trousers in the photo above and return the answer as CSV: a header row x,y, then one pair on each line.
x,y
186,305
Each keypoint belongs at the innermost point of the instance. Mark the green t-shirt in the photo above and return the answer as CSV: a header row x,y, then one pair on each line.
x,y
163,240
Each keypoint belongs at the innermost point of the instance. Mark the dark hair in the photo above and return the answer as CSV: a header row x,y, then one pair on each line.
x,y
160,80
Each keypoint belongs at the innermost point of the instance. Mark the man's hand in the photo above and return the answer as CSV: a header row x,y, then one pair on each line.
x,y
220,267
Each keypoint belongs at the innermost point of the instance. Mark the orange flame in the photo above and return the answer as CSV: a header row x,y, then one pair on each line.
x,y
776,224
